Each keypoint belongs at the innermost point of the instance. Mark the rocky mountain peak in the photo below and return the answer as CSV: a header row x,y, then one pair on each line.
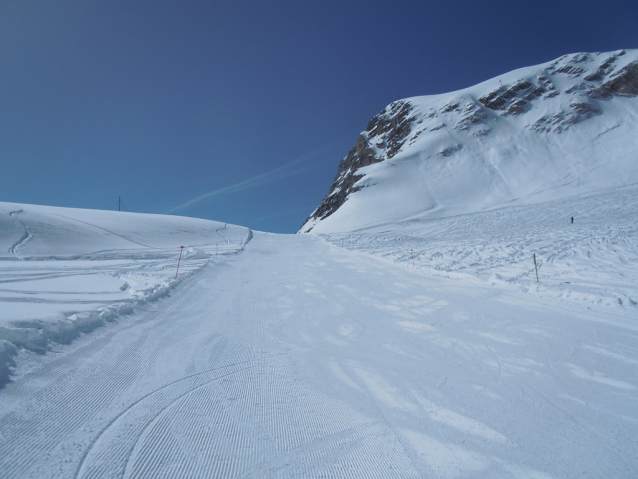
x,y
548,99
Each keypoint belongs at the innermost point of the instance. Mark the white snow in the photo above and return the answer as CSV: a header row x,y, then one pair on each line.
x,y
592,262
65,270
297,357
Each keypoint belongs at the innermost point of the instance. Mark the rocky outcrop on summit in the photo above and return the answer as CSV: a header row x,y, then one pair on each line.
x,y
523,116
602,84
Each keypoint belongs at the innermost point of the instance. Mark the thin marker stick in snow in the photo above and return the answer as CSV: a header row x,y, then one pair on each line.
x,y
536,267
216,250
181,248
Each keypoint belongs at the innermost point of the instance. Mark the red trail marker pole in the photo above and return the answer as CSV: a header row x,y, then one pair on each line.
x,y
181,248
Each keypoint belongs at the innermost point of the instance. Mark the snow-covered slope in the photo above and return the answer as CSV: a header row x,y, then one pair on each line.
x,y
65,270
297,358
550,131
592,261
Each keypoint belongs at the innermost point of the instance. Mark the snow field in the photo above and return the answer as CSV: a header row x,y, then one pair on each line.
x,y
299,358
65,271
593,262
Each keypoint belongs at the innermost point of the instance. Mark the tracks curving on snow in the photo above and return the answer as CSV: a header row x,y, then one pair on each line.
x,y
298,358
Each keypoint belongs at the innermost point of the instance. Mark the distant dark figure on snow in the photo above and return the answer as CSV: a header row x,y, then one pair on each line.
x,y
572,220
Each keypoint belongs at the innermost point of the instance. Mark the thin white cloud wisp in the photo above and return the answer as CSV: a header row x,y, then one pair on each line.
x,y
293,168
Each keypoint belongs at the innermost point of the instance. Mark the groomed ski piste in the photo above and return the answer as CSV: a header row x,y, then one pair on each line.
x,y
422,347
65,271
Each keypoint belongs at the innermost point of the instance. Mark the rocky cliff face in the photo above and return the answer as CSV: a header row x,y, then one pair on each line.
x,y
382,139
549,99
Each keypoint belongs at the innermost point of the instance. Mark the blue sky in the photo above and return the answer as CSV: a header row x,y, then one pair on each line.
x,y
240,111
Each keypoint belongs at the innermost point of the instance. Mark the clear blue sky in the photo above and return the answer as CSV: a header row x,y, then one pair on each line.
x,y
240,111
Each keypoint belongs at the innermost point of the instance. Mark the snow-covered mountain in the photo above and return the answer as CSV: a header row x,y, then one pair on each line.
x,y
467,308
550,131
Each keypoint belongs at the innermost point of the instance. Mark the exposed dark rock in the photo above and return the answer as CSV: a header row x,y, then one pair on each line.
x,y
595,77
509,101
392,126
482,131
586,110
546,82
430,114
518,87
473,114
450,107
563,120
518,107
399,123
571,70
577,87
608,65
388,131
547,123
623,83
582,57
494,100
534,93
604,70
449,151
343,184
415,136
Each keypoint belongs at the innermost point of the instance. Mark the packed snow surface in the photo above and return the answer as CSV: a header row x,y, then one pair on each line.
x,y
297,357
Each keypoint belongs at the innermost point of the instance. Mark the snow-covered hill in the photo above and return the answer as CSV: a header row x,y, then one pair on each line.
x,y
592,262
65,270
297,358
568,127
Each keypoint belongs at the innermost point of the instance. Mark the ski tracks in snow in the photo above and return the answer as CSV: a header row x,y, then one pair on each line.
x,y
14,250
591,262
298,359
196,389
